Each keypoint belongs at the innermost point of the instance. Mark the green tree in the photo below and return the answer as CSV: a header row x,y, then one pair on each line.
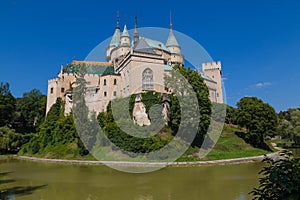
x,y
7,105
281,179
86,126
32,108
259,118
178,88
289,126
10,141
231,115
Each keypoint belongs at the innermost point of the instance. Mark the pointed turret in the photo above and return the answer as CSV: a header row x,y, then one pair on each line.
x,y
136,33
115,40
125,38
175,57
172,42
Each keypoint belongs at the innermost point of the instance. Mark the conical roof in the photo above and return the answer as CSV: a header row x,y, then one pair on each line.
x,y
115,40
172,42
125,32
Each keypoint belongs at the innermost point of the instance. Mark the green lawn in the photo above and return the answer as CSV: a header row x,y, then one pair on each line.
x,y
230,145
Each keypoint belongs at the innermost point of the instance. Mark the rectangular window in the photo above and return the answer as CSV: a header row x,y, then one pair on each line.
x,y
105,94
62,90
51,90
115,93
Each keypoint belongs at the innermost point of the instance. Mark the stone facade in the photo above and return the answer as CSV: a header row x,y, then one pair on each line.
x,y
131,67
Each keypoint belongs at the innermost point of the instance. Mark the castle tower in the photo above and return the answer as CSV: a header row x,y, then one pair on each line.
x,y
172,43
214,71
115,41
174,47
125,38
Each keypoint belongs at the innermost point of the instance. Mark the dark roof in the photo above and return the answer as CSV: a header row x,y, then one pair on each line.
x,y
144,47
100,68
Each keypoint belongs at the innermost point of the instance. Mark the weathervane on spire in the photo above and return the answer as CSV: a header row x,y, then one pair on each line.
x,y
118,19
171,25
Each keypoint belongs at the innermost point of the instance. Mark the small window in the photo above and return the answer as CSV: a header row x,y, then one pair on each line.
x,y
62,90
115,93
115,81
104,83
105,94
51,90
217,94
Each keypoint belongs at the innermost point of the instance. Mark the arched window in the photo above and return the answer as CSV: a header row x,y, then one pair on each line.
x,y
104,82
147,79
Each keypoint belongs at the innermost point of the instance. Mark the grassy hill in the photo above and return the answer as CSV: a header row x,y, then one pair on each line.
x,y
229,145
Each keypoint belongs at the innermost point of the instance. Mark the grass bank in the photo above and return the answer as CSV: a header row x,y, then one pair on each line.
x,y
229,146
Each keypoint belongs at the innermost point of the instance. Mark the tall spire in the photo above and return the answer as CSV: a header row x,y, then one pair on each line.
x,y
118,20
115,40
171,42
136,33
171,25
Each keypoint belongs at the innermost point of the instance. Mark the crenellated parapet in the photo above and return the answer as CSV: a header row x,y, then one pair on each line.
x,y
212,66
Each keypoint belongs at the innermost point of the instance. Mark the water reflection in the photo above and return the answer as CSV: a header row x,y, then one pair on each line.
x,y
72,182
8,192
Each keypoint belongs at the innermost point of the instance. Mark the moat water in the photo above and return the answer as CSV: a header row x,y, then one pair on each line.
x,y
26,180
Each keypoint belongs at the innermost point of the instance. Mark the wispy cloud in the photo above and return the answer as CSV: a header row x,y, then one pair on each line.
x,y
263,84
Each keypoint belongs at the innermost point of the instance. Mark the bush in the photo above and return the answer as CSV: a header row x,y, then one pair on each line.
x,y
281,179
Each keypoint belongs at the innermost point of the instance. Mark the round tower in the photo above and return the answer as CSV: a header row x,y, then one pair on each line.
x,y
115,41
176,57
125,38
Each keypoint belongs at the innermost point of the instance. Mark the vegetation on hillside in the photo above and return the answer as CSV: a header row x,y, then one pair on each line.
x,y
56,136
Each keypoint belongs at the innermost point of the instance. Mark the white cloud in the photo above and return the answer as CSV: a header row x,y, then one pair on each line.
x,y
224,78
263,84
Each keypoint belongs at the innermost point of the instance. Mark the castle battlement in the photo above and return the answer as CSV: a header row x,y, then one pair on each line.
x,y
56,80
212,66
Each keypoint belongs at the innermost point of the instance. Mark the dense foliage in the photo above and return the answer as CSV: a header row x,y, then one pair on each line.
x,y
57,136
7,105
204,104
31,109
10,141
289,126
124,140
231,115
19,118
281,179
258,118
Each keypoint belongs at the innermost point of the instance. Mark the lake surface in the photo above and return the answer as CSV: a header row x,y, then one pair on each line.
x,y
34,181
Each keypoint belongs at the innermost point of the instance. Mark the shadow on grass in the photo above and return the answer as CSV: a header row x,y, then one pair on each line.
x,y
253,141
6,193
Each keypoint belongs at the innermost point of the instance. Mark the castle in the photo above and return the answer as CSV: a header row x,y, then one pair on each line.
x,y
133,65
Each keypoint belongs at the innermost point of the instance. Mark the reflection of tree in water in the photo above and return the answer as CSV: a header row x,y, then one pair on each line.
x,y
8,193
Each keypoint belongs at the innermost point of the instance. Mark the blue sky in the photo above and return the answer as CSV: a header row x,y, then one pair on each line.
x,y
258,42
